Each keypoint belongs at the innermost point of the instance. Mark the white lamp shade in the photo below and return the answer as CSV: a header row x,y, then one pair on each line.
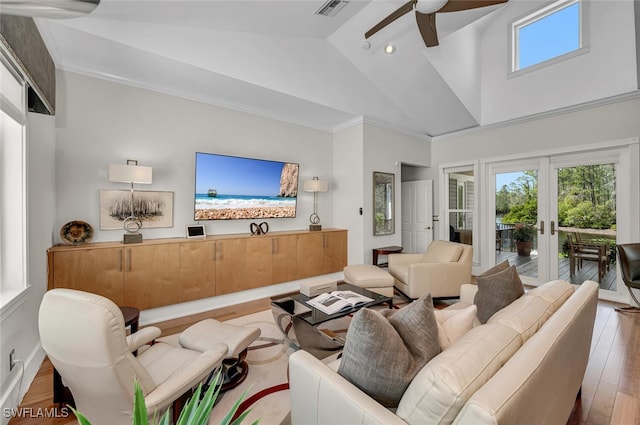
x,y
123,173
316,186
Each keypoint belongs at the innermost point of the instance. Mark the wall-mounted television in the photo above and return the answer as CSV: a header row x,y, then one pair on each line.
x,y
231,187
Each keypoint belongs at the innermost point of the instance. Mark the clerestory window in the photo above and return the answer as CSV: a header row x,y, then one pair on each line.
x,y
547,34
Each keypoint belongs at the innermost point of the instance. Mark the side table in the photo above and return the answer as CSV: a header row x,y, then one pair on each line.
x,y
61,393
384,251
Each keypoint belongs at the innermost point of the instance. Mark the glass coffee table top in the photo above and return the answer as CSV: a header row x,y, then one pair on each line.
x,y
296,305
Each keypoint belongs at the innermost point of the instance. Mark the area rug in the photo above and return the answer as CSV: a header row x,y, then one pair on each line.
x,y
267,383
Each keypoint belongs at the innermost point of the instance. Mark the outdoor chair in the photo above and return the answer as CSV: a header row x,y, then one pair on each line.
x,y
580,251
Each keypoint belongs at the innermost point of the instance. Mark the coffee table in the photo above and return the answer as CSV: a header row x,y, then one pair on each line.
x,y
299,321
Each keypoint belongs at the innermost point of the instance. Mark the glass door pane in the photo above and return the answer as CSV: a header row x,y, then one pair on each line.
x,y
516,218
586,211
460,206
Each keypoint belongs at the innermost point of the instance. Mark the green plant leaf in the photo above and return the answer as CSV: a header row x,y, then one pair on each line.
x,y
81,419
140,416
227,419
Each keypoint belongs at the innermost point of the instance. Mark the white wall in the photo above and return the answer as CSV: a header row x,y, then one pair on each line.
x,y
19,323
607,69
348,187
101,122
386,151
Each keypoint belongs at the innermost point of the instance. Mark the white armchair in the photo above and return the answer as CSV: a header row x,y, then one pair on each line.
x,y
84,336
441,270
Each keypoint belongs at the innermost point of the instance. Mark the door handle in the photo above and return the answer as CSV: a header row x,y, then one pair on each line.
x,y
541,227
428,228
553,227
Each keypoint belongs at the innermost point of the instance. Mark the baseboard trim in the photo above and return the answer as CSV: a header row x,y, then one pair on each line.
x,y
20,381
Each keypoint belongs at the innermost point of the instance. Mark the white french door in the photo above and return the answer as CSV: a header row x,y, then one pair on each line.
x,y
586,195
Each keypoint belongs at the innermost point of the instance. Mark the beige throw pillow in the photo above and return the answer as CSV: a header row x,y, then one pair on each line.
x,y
453,323
382,354
442,252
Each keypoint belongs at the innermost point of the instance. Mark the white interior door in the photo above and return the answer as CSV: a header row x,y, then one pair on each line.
x,y
417,215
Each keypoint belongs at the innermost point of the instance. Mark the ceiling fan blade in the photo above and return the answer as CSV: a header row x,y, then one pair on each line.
x,y
427,27
458,5
402,10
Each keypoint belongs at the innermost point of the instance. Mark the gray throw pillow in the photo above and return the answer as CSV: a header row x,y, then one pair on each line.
x,y
496,291
497,268
384,351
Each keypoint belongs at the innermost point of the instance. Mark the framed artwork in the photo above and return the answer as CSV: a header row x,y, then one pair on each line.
x,y
154,209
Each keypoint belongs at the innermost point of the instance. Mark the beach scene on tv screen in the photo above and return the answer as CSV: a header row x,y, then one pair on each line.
x,y
229,187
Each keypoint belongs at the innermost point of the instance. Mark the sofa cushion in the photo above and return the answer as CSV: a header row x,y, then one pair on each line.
x,y
453,323
497,291
528,313
443,386
555,291
442,252
382,354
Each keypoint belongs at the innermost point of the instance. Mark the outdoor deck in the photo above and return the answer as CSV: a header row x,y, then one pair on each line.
x,y
528,266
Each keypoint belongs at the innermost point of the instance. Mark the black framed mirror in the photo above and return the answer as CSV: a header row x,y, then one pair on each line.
x,y
383,203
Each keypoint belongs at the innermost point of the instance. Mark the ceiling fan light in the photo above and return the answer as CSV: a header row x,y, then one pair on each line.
x,y
430,6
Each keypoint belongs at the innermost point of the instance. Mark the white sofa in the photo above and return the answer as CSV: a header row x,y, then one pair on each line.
x,y
524,366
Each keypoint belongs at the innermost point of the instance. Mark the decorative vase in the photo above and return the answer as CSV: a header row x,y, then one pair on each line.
x,y
523,248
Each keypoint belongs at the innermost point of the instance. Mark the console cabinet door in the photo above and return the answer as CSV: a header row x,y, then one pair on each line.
x,y
259,256
99,271
285,261
151,275
197,270
231,265
309,253
320,253
335,251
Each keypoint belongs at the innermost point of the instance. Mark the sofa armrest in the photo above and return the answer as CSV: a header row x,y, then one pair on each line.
x,y
142,337
319,396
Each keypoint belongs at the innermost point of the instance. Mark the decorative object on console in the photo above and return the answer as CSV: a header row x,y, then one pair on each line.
x,y
259,229
195,231
315,186
76,232
131,173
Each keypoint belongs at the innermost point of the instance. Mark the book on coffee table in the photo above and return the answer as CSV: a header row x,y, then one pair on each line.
x,y
333,302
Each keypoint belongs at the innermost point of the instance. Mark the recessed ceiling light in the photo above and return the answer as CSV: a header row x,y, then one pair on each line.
x,y
390,49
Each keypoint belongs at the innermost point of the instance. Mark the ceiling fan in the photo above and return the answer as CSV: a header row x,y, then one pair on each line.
x,y
426,15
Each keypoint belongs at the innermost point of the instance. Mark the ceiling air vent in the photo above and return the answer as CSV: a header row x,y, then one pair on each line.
x,y
331,7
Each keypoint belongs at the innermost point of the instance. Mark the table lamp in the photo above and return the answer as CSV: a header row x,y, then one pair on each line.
x,y
131,173
315,186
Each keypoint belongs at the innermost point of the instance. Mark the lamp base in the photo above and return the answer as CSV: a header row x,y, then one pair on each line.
x,y
315,227
132,238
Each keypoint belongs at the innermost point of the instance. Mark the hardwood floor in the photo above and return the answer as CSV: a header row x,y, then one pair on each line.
x,y
610,391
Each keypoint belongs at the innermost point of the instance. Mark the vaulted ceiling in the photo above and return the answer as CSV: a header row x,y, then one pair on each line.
x,y
281,60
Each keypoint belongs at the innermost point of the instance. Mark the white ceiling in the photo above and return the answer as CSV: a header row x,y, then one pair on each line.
x,y
279,59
